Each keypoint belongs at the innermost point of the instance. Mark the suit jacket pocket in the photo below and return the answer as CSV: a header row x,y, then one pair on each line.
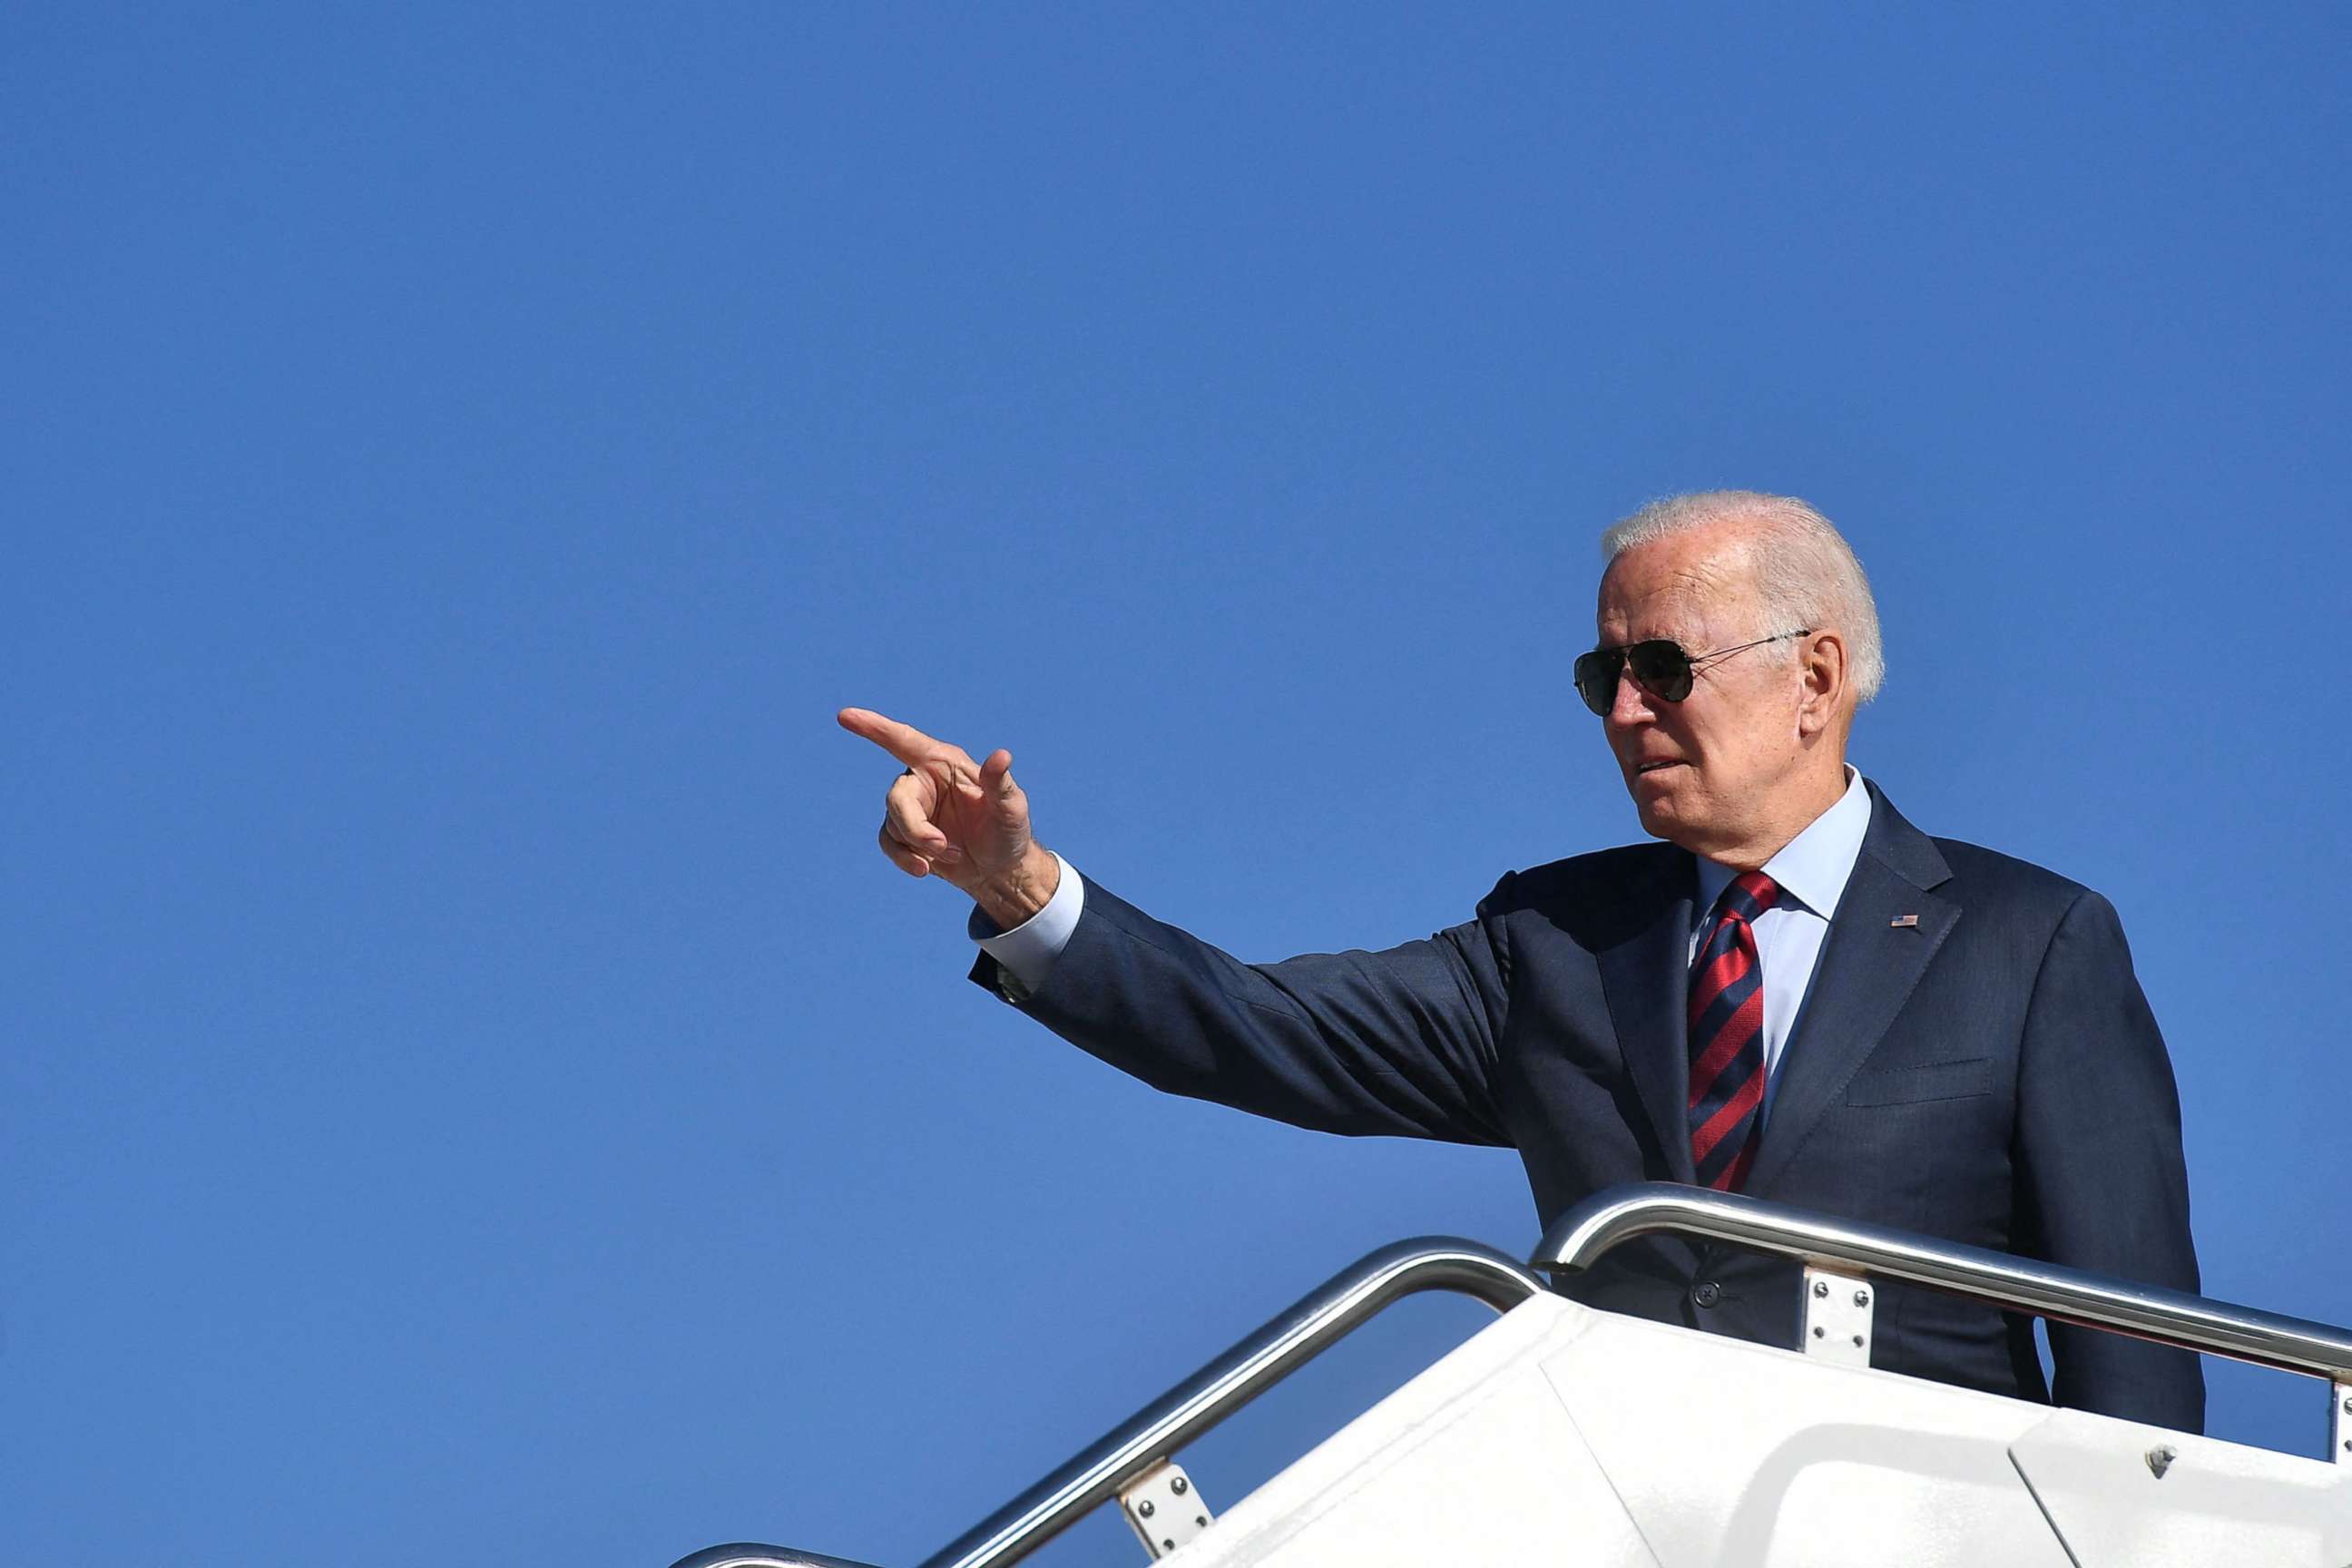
x,y
1918,1082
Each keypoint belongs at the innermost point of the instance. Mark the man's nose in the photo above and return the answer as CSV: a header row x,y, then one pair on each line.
x,y
1631,705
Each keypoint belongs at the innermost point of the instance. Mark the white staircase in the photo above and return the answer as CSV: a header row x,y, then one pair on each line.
x,y
1564,1434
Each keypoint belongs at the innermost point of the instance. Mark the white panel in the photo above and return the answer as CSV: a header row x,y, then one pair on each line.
x,y
1735,1456
2215,1502
1506,1484
1471,1463
1562,1434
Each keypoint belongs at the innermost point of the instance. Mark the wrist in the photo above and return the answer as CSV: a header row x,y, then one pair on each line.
x,y
1013,897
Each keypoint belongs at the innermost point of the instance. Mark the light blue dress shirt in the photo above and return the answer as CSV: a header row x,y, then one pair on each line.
x,y
1811,871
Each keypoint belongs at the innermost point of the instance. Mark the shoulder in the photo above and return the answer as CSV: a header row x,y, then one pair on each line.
x,y
2060,913
2028,912
1974,875
1977,871
1628,872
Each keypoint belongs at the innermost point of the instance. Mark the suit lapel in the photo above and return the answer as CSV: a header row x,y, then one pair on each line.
x,y
1647,978
1868,968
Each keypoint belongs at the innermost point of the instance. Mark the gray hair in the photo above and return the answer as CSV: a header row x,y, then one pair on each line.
x,y
1806,574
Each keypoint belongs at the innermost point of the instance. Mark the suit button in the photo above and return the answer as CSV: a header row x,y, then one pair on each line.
x,y
1706,1293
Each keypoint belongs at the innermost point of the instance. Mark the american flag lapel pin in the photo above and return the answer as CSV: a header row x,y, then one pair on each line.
x,y
1899,922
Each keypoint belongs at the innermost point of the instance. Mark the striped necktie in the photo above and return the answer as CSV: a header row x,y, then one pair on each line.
x,y
1727,1037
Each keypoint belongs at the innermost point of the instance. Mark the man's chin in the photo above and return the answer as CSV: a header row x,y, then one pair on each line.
x,y
1660,820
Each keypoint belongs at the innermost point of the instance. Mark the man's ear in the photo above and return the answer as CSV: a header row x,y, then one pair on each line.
x,y
1821,672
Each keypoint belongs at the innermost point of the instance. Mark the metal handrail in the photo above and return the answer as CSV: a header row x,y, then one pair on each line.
x,y
1323,1316
1578,1238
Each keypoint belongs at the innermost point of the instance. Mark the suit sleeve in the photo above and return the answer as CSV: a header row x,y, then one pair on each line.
x,y
2101,1184
1401,1041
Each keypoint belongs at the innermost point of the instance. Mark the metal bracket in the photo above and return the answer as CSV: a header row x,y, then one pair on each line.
x,y
2339,1424
1165,1509
1837,1317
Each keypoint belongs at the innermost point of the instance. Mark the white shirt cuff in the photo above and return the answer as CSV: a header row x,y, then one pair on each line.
x,y
1029,949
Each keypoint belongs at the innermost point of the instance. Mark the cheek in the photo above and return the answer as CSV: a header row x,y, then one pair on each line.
x,y
1762,729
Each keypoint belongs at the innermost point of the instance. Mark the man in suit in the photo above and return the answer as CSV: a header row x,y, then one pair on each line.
x,y
1796,993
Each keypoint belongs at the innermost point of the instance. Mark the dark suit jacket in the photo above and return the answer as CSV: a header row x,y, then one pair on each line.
x,y
1991,1075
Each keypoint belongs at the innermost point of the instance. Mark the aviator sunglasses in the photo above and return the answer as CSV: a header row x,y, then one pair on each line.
x,y
1659,667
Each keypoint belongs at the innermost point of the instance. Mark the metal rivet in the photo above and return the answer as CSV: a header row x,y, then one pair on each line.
x,y
2348,1407
1857,1341
1144,1507
1819,1332
2159,1459
1168,1545
1861,1297
1820,1288
1202,1520
1179,1486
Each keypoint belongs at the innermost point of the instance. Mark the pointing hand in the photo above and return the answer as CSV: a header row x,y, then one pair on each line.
x,y
966,822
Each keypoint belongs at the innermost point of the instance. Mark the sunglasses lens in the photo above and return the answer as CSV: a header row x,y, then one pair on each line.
x,y
1662,668
1596,679
1659,667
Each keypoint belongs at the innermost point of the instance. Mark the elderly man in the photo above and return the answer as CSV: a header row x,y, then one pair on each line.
x,y
1796,994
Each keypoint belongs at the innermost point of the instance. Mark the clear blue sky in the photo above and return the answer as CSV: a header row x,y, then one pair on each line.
x,y
469,1091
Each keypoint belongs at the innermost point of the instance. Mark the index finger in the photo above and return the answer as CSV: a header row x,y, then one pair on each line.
x,y
904,742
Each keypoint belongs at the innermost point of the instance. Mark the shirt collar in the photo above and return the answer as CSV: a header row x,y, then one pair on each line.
x,y
1814,867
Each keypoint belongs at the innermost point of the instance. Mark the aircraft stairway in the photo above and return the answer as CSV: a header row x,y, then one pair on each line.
x,y
1563,1433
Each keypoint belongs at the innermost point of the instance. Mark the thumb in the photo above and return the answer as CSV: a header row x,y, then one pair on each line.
x,y
996,776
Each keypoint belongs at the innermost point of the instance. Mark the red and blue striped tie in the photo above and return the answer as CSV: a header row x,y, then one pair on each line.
x,y
1727,1037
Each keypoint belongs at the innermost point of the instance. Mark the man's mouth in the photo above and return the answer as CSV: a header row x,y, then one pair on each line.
x,y
1654,767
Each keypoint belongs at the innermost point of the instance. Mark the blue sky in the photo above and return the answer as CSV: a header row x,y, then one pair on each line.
x,y
471,1090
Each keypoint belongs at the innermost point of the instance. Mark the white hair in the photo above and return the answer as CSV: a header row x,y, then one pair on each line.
x,y
1806,574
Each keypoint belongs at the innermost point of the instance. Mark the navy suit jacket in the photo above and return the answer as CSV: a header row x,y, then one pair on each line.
x,y
1991,1075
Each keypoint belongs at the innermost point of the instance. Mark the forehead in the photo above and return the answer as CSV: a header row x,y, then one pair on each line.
x,y
1684,585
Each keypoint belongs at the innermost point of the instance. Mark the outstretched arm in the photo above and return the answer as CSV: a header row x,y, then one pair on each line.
x,y
1398,1042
